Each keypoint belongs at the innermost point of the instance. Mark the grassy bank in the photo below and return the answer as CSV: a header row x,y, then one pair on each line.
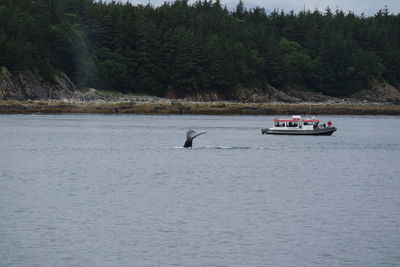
x,y
183,107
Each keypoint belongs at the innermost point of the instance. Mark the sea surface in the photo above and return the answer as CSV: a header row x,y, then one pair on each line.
x,y
119,190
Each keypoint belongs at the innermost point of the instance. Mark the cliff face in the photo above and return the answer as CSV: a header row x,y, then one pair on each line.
x,y
21,86
62,89
25,86
379,92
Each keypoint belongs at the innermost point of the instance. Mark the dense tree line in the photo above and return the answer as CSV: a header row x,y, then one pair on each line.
x,y
200,47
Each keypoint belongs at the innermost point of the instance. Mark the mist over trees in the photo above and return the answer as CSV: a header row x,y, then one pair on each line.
x,y
200,47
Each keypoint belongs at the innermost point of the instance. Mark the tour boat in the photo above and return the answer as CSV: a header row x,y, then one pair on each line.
x,y
298,126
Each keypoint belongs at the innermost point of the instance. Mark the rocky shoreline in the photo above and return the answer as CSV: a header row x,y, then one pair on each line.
x,y
166,106
24,92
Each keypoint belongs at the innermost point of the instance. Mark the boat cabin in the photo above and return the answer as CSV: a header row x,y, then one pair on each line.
x,y
296,122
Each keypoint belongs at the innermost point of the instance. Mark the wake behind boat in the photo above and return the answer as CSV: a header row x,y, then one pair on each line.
x,y
298,126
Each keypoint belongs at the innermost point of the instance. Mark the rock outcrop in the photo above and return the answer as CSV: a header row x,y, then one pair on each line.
x,y
87,94
308,96
267,94
21,86
62,89
206,97
25,86
379,92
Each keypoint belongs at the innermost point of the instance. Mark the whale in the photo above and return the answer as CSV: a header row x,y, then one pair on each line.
x,y
190,135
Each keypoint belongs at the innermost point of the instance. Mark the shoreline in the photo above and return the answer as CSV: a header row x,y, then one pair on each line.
x,y
201,108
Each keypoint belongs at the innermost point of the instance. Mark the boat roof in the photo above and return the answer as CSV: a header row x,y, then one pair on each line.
x,y
310,120
296,120
286,120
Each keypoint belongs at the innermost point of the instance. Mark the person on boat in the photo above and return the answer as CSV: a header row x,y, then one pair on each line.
x,y
329,124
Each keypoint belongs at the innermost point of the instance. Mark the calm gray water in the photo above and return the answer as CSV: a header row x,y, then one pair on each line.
x,y
118,190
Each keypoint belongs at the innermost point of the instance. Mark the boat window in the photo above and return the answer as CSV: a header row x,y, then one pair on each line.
x,y
292,124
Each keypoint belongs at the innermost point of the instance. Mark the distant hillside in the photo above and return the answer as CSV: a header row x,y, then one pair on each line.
x,y
180,49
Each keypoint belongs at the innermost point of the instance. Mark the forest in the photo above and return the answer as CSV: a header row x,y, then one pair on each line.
x,y
199,47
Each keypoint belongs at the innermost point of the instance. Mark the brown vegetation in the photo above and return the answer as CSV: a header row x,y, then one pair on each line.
x,y
185,107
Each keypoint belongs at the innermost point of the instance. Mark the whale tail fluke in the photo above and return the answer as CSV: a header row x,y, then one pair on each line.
x,y
190,135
